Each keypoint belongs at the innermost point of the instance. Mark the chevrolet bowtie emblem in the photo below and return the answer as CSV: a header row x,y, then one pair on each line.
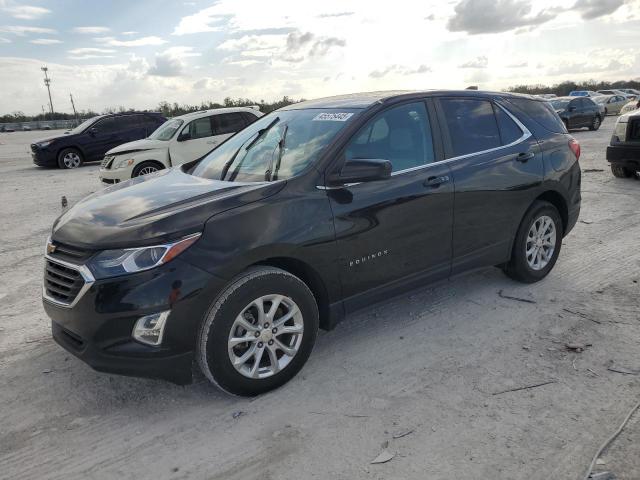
x,y
51,248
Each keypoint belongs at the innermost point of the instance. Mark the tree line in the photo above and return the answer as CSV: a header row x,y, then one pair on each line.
x,y
563,89
167,109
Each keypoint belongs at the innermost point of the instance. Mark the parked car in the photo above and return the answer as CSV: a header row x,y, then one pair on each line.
x,y
26,128
583,93
630,107
182,139
90,140
578,112
614,92
623,153
546,95
612,103
311,212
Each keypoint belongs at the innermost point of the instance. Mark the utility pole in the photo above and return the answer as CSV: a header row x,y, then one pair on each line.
x,y
47,82
75,114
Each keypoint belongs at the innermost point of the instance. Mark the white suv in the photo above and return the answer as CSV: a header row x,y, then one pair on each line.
x,y
179,140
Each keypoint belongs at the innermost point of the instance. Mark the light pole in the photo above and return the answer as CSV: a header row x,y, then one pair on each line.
x,y
47,82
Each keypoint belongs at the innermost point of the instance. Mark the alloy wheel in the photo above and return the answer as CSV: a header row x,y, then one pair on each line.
x,y
71,160
265,336
541,242
147,170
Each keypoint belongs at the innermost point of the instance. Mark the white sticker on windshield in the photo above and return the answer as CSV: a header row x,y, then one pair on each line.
x,y
332,117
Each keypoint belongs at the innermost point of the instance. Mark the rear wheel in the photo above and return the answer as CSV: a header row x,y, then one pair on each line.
x,y
537,244
621,172
145,168
259,332
595,123
69,158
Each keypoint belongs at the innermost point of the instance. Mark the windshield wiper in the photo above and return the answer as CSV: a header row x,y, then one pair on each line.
x,y
261,133
268,175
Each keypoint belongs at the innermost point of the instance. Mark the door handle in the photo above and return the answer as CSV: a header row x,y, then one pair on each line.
x,y
525,156
435,182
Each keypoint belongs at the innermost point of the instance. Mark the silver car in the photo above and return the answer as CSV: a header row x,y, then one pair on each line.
x,y
612,103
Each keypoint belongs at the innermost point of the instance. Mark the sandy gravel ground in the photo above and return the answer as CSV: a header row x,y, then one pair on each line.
x,y
429,363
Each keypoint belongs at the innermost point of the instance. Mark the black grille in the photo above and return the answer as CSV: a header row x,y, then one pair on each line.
x,y
62,283
634,130
69,253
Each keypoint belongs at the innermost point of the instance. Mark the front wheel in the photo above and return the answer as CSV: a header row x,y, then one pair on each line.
x,y
595,123
537,244
259,332
145,168
69,158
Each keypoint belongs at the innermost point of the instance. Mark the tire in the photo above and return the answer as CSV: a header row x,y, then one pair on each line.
x,y
621,172
215,349
606,111
566,124
145,168
595,123
69,158
520,266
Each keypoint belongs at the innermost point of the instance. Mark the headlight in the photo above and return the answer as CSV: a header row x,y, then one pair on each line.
x,y
123,162
44,144
111,263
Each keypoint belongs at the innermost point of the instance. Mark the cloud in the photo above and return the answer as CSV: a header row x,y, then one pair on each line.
x,y
169,63
575,68
27,12
518,65
88,57
590,9
130,32
339,14
90,50
399,70
495,16
45,41
138,42
322,46
4,40
91,30
21,30
430,17
479,62
296,40
203,21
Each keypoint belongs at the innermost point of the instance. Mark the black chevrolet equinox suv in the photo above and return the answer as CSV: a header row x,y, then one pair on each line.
x,y
234,261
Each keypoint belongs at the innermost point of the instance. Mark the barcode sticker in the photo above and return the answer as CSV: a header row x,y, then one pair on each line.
x,y
332,117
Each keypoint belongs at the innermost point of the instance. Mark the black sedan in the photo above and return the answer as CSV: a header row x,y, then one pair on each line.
x,y
577,112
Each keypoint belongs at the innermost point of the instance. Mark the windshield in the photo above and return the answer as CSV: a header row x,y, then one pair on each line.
x,y
166,130
278,146
80,128
559,104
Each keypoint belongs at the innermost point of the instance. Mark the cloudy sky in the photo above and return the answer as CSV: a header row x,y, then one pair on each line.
x,y
137,53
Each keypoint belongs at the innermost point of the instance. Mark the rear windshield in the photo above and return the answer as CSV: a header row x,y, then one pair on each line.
x,y
542,112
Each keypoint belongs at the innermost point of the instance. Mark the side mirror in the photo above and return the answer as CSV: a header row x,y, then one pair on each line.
x,y
93,131
184,136
363,170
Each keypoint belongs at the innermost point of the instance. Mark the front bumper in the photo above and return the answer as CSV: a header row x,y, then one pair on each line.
x,y
44,158
627,155
97,329
111,176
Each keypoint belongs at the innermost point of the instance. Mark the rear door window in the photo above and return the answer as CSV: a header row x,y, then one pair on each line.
x,y
228,123
472,125
249,118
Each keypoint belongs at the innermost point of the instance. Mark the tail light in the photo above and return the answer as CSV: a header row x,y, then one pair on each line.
x,y
575,147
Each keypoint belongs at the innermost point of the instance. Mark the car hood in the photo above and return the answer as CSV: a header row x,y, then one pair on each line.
x,y
53,137
152,209
137,145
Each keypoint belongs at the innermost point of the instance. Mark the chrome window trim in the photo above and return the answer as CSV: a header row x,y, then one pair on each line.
x,y
526,134
86,275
